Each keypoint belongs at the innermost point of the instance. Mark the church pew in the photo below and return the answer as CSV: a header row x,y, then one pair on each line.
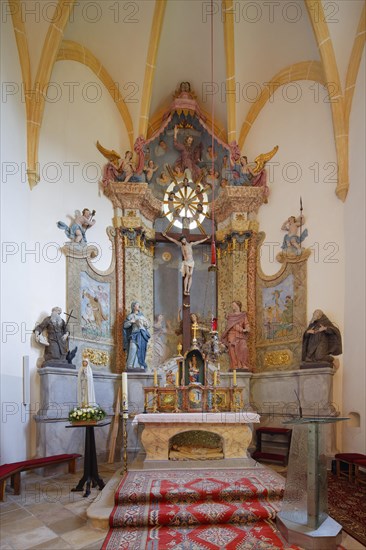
x,y
13,470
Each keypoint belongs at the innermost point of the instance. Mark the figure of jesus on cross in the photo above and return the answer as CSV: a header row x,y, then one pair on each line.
x,y
187,257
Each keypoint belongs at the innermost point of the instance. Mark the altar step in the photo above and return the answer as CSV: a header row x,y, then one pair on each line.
x,y
210,508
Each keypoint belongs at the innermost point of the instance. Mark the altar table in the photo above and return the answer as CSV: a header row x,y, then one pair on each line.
x,y
234,428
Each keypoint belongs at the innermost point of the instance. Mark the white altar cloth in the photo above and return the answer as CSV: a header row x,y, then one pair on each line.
x,y
198,418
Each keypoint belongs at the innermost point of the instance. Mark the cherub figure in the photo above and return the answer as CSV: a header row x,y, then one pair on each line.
x,y
77,230
149,169
164,179
292,241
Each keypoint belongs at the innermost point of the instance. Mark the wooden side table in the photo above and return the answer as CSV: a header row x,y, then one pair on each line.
x,y
91,475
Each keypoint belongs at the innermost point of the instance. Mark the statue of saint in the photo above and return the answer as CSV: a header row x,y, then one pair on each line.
x,y
321,340
86,393
189,156
135,338
56,343
235,337
194,372
188,261
77,230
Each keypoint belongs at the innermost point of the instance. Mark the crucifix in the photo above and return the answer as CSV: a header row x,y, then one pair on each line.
x,y
183,204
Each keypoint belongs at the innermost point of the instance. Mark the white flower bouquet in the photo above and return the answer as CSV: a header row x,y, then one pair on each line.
x,y
86,414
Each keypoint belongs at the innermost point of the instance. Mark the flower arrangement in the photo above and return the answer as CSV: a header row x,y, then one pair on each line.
x,y
86,414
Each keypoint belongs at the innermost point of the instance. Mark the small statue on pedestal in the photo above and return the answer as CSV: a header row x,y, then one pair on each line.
x,y
56,346
86,392
321,340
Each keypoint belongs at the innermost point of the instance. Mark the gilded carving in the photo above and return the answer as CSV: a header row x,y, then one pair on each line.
x,y
96,356
278,358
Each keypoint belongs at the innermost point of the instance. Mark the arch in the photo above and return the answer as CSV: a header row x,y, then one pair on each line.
x,y
73,51
305,70
150,65
325,46
354,63
229,41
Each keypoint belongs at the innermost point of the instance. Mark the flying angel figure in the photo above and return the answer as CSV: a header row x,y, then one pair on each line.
x,y
118,169
77,230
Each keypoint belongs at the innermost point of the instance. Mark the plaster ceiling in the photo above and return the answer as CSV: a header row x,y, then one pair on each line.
x,y
264,44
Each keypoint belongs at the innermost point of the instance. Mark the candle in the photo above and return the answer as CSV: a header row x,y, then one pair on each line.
x,y
124,392
234,377
177,378
215,378
155,377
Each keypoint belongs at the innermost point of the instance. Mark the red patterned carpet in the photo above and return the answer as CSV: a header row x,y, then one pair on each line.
x,y
347,505
197,510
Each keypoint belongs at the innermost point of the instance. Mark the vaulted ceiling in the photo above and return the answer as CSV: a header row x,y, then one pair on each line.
x,y
142,49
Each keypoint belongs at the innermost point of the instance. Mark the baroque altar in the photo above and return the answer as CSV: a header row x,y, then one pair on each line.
x,y
183,181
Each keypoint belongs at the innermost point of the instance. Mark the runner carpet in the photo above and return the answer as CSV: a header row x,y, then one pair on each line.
x,y
197,510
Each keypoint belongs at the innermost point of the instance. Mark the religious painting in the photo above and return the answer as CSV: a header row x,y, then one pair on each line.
x,y
278,310
167,400
194,399
94,307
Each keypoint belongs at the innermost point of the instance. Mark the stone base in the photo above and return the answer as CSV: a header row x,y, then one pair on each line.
x,y
326,537
58,364
316,365
140,462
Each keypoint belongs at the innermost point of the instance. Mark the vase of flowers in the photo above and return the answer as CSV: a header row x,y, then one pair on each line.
x,y
86,415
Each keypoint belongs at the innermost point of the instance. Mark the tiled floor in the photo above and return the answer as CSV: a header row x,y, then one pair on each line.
x,y
48,516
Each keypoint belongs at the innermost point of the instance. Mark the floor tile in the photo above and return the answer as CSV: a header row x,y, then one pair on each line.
x,y
19,527
27,539
8,506
14,516
54,544
84,537
62,526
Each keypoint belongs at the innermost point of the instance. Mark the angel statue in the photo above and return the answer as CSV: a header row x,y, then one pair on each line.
x,y
292,240
119,169
77,230
244,173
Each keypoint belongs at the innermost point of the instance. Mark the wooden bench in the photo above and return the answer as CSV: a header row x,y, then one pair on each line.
x,y
14,469
360,476
259,454
349,459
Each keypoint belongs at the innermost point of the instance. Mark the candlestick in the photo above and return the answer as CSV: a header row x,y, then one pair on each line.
x,y
177,378
215,378
124,392
155,377
234,377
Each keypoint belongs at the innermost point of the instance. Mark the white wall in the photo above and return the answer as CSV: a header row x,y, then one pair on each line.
x,y
354,388
34,277
15,224
306,159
